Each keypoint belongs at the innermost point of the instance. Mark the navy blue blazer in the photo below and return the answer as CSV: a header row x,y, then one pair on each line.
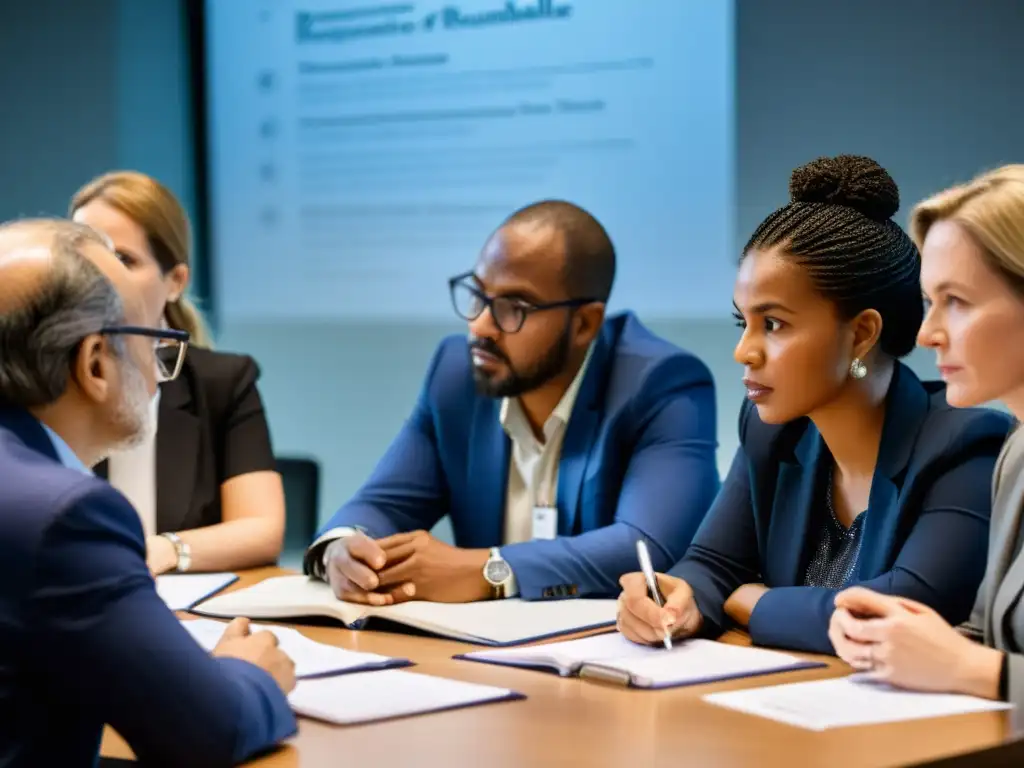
x,y
85,640
924,537
638,460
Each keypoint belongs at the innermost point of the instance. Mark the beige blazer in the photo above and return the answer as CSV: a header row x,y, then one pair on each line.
x,y
998,613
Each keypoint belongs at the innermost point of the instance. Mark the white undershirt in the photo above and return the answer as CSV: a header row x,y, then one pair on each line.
x,y
533,468
133,473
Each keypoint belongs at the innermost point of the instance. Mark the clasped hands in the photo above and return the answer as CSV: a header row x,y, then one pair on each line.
x,y
402,567
908,644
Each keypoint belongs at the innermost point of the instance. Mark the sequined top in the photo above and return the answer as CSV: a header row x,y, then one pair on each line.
x,y
835,557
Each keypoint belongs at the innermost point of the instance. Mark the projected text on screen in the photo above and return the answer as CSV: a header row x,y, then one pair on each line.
x,y
362,152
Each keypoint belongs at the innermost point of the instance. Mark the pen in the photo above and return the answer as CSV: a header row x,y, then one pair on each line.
x,y
652,582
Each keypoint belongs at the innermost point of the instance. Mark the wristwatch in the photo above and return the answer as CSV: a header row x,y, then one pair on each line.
x,y
497,573
182,549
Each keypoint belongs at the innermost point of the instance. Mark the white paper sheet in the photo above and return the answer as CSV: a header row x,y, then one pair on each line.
x,y
846,701
311,658
183,590
370,696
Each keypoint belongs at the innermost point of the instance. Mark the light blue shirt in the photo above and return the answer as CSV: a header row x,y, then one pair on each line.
x,y
64,453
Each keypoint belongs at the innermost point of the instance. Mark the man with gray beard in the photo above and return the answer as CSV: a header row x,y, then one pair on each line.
x,y
84,638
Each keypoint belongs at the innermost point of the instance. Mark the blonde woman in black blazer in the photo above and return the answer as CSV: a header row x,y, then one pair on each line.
x,y
206,488
972,249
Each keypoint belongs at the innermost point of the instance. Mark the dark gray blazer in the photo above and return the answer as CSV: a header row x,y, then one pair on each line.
x,y
998,614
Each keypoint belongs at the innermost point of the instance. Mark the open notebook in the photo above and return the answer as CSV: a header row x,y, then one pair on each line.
x,y
613,658
312,659
493,622
374,696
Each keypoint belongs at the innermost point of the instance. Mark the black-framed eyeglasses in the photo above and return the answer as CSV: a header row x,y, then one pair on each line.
x,y
509,312
170,346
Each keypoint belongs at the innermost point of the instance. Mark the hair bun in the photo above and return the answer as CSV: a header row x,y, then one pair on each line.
x,y
852,180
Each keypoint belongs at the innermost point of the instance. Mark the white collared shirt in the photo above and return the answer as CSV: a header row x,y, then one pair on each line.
x,y
533,469
133,473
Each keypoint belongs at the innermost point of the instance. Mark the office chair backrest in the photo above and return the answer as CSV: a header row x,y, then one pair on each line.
x,y
301,478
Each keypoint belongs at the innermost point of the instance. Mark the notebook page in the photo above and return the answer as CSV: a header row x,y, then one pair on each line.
x,y
696,661
183,590
311,658
845,701
370,696
567,654
281,597
504,621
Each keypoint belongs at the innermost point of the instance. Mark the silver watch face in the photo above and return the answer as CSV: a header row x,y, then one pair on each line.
x,y
497,572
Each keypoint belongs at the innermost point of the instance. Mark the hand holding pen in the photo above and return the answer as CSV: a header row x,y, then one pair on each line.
x,y
645,620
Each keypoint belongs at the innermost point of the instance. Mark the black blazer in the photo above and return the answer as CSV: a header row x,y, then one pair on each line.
x,y
211,427
925,534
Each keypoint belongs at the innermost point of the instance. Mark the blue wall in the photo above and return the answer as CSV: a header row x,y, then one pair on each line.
x,y
928,87
88,87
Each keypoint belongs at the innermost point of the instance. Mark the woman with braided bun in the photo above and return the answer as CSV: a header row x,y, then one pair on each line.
x,y
850,471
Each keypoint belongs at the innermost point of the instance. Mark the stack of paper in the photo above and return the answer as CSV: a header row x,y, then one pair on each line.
x,y
181,591
385,695
312,659
326,689
845,701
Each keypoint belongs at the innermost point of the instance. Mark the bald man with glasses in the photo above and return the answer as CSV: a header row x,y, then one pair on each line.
x,y
554,437
84,638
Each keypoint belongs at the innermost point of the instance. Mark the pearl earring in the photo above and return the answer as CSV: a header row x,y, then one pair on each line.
x,y
858,369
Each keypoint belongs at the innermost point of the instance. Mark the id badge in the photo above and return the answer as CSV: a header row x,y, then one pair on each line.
x,y
545,522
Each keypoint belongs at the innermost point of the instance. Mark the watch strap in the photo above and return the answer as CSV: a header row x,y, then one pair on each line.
x,y
182,550
500,590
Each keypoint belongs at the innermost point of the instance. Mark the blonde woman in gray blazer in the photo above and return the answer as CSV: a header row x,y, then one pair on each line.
x,y
971,239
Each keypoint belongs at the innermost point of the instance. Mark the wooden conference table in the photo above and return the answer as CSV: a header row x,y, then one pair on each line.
x,y
575,722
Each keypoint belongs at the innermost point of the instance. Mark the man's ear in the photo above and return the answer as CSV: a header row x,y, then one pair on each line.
x,y
93,368
587,321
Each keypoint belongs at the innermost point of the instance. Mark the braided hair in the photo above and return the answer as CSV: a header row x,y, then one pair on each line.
x,y
838,226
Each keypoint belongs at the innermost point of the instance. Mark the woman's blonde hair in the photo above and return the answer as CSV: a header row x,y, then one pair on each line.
x,y
153,207
991,209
